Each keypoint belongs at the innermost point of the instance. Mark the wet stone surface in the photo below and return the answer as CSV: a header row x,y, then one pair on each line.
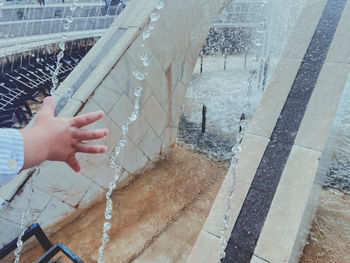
x,y
156,218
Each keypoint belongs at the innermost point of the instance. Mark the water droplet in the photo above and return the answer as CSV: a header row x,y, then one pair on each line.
x,y
138,75
138,91
61,45
160,5
152,26
73,6
66,26
154,17
261,27
145,59
146,34
143,45
107,226
38,60
69,19
258,43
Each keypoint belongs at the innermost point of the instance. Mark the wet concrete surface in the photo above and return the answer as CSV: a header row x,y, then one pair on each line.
x,y
155,219
329,238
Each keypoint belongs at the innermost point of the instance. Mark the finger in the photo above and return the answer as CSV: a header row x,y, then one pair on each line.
x,y
48,106
90,134
74,164
86,119
90,148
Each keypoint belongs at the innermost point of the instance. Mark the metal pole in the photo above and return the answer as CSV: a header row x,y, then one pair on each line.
x,y
204,118
201,69
225,59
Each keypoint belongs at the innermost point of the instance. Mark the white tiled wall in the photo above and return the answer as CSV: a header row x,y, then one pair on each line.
x,y
174,46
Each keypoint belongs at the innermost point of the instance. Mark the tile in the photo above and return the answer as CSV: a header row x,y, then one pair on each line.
x,y
256,259
151,145
253,148
322,106
131,158
39,198
97,168
12,231
94,193
174,116
339,51
138,129
55,211
168,15
156,80
276,240
152,109
179,33
59,180
179,95
121,111
107,94
273,100
114,133
15,215
303,31
206,249
100,70
123,74
162,45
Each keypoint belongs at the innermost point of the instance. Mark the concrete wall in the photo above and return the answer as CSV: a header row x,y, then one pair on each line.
x,y
104,79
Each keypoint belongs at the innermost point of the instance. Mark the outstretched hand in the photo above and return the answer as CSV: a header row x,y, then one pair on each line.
x,y
59,139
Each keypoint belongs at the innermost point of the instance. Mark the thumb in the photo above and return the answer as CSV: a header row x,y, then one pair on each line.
x,y
48,106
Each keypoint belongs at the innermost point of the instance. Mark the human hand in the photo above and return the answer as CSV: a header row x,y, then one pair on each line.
x,y
59,139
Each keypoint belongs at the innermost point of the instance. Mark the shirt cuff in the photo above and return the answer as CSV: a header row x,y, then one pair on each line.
x,y
12,154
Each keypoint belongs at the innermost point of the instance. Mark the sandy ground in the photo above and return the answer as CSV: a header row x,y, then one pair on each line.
x,y
155,219
329,238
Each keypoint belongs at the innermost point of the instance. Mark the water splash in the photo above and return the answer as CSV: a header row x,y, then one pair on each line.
x,y
145,59
160,5
25,216
74,5
154,17
146,34
55,73
118,170
138,75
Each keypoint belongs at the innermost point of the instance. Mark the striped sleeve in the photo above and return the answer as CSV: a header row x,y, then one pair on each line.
x,y
11,154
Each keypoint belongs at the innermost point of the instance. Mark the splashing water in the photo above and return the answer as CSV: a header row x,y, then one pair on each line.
x,y
146,34
160,5
25,217
138,75
145,59
154,17
118,170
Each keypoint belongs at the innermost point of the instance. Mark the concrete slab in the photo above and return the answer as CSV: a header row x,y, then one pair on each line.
x,y
271,104
323,104
340,51
282,225
304,29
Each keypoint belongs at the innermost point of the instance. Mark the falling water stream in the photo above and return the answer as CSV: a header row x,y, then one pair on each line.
x,y
144,57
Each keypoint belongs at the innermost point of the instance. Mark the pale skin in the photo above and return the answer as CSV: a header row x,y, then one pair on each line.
x,y
59,139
